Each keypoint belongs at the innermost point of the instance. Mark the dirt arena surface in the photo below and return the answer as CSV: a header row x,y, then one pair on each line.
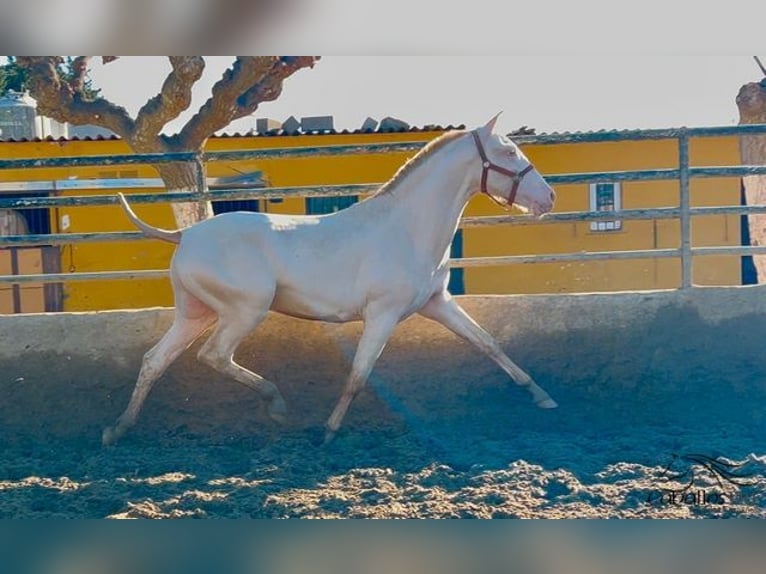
x,y
500,458
372,474
439,432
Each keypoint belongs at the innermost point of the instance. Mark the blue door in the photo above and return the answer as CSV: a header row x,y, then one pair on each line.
x,y
321,205
224,206
455,285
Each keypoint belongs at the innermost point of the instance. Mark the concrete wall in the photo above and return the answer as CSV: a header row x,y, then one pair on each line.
x,y
629,355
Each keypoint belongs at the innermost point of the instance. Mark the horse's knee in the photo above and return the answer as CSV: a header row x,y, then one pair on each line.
x,y
151,368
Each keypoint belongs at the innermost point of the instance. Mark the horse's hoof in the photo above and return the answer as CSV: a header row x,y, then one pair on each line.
x,y
315,435
109,436
548,403
278,410
329,435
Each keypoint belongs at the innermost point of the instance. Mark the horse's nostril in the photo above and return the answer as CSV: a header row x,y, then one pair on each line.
x,y
553,196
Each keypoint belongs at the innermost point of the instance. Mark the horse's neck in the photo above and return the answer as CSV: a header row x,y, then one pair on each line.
x,y
428,203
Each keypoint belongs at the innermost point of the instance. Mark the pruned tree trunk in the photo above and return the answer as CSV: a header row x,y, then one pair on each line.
x,y
183,177
178,177
751,102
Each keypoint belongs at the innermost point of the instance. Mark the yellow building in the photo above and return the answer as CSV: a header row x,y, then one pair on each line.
x,y
554,158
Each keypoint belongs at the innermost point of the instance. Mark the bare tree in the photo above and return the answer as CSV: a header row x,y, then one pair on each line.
x,y
751,101
250,81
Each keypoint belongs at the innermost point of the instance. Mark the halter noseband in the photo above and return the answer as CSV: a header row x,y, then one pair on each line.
x,y
488,165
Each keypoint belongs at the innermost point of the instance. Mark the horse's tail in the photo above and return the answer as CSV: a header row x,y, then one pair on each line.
x,y
155,232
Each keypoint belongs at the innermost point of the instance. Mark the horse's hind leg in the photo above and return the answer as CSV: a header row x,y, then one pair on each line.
x,y
218,352
443,309
180,336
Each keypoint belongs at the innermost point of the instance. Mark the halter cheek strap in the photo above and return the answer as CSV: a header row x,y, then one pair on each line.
x,y
487,165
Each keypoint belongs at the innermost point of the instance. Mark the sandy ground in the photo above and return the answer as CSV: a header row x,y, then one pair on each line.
x,y
432,435
526,463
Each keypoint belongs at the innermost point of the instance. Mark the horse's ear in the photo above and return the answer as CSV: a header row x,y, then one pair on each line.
x,y
490,125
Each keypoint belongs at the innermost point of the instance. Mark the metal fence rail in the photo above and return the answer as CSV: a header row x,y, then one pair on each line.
x,y
362,188
192,157
684,173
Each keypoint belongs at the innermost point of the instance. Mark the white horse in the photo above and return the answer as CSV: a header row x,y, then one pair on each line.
x,y
378,261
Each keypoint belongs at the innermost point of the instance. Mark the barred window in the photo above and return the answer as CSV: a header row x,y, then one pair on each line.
x,y
605,197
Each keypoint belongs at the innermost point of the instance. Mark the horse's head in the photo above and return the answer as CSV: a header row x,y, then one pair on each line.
x,y
507,175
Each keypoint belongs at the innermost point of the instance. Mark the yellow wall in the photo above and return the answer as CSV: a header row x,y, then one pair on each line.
x,y
497,240
29,297
111,256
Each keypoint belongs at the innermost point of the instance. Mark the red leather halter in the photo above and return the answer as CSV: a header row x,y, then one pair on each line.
x,y
488,165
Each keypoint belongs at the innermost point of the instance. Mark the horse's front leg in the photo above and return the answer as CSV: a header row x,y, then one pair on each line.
x,y
443,309
377,331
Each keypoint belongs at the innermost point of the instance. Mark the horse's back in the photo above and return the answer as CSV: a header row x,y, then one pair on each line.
x,y
293,248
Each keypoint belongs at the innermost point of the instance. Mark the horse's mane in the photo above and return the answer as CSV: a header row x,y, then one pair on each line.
x,y
426,152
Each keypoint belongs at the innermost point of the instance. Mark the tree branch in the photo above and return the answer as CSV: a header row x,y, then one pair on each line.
x,y
216,111
270,86
80,70
59,100
250,80
174,97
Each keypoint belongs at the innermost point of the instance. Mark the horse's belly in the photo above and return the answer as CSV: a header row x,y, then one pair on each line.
x,y
317,307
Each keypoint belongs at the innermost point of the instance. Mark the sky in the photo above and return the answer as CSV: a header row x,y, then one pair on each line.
x,y
550,93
